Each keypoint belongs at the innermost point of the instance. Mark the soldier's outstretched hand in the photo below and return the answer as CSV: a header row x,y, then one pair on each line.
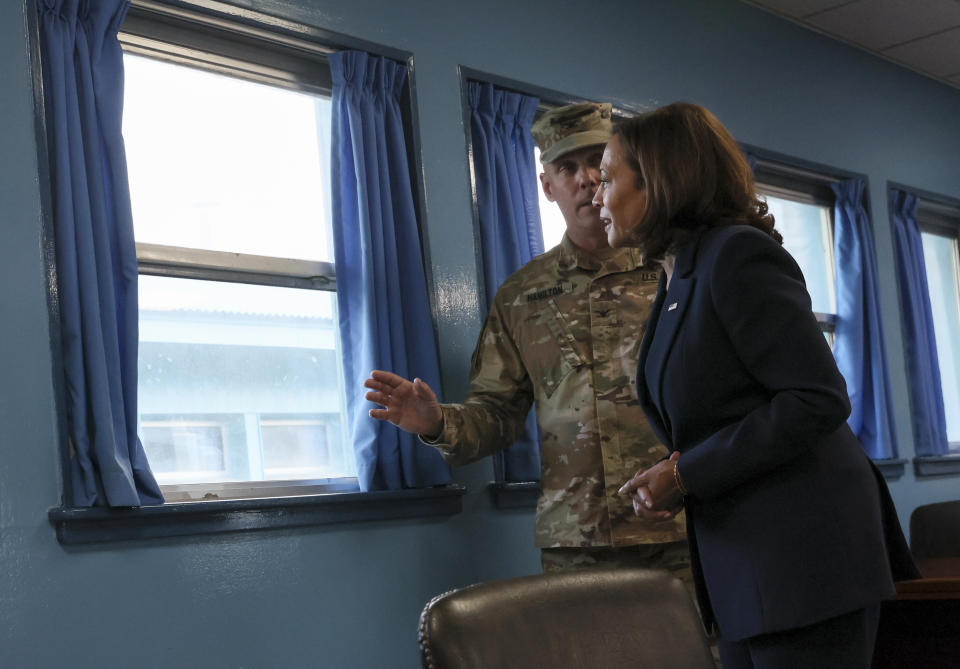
x,y
411,406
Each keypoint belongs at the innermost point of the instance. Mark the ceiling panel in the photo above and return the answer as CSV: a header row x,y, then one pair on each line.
x,y
801,8
938,54
877,24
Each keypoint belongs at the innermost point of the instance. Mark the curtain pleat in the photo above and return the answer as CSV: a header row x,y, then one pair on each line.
x,y
858,340
920,344
384,309
95,250
509,212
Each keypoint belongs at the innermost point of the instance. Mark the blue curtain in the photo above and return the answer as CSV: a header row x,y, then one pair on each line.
x,y
509,211
384,312
858,344
96,255
923,368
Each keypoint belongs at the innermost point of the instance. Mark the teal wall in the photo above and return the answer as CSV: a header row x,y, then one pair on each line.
x,y
349,596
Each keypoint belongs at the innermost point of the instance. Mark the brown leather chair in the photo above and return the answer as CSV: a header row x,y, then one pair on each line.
x,y
935,539
580,619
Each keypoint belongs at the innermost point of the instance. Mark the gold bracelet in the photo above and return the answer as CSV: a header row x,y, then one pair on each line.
x,y
676,478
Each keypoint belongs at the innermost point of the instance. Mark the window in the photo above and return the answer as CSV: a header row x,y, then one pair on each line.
x,y
228,149
940,229
802,205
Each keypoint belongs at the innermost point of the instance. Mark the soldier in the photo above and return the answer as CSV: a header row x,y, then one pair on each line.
x,y
563,331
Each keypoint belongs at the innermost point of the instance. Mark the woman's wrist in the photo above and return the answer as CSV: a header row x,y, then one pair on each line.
x,y
678,480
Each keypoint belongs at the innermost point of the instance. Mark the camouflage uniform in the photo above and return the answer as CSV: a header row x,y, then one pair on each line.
x,y
565,331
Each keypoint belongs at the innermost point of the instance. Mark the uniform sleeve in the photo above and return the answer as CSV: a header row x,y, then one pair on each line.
x,y
762,303
493,414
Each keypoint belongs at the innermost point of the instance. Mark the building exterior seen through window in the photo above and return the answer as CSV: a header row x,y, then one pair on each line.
x,y
239,372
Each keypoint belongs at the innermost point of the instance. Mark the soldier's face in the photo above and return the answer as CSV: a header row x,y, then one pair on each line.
x,y
570,181
622,203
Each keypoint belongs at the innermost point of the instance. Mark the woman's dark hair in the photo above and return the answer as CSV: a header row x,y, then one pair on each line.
x,y
694,174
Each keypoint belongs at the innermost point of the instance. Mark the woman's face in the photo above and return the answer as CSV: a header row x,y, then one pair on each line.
x,y
621,203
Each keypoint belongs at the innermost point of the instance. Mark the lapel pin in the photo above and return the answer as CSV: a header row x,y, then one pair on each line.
x,y
672,307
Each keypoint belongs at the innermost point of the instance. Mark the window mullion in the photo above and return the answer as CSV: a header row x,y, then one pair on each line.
x,y
161,260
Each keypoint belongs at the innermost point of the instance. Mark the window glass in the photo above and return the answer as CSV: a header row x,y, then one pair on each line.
x,y
180,448
940,259
224,164
806,230
245,353
296,446
551,220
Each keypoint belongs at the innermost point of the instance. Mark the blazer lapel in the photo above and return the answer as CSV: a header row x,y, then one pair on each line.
x,y
643,395
662,329
672,310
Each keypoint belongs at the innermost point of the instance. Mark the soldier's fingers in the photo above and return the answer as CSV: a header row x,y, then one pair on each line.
x,y
379,398
423,390
387,378
373,384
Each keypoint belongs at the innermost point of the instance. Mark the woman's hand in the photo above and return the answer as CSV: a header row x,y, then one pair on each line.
x,y
654,491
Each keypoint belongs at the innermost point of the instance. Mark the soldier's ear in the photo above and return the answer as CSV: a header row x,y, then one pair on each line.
x,y
547,186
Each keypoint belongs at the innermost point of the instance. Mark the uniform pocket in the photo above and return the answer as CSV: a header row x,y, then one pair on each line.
x,y
555,361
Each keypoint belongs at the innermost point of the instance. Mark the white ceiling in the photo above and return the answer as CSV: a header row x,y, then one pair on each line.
x,y
923,35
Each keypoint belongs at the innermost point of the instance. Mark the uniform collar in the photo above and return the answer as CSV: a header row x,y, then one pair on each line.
x,y
572,256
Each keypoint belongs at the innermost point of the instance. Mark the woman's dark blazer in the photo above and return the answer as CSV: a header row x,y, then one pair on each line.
x,y
789,521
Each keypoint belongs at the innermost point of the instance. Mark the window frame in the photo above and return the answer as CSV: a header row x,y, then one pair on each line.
x,y
228,35
938,215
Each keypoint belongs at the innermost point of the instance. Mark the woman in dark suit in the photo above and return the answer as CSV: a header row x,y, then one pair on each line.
x,y
793,535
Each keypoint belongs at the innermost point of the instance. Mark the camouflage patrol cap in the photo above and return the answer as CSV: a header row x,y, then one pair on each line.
x,y
565,129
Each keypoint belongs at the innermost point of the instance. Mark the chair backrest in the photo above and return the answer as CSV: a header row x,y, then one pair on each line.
x,y
935,530
935,539
568,620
